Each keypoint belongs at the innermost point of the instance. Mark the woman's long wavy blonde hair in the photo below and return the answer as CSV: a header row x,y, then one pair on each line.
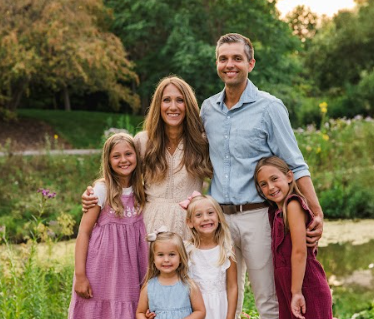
x,y
112,180
283,167
222,235
196,150
182,269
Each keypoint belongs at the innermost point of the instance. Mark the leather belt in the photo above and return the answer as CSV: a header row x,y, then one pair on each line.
x,y
233,209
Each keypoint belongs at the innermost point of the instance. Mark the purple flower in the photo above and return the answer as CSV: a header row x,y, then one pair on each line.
x,y
46,193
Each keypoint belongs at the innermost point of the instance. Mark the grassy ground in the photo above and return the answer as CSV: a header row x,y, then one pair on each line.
x,y
84,129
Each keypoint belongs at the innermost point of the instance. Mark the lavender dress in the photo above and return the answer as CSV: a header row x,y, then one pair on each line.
x,y
116,263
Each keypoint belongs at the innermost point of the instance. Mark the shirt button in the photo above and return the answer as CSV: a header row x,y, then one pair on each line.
x,y
227,156
226,176
225,136
228,117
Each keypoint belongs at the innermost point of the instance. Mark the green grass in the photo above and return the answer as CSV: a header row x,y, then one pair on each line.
x,y
84,129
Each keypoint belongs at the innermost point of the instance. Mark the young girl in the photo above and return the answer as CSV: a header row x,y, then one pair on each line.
x,y
212,263
168,292
300,281
111,251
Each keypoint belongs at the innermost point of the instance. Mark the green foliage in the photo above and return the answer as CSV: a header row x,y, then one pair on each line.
x,y
63,46
28,288
23,176
340,158
342,48
179,37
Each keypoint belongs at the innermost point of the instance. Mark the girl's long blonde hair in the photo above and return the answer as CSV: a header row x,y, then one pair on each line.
x,y
196,150
112,180
222,235
182,269
283,167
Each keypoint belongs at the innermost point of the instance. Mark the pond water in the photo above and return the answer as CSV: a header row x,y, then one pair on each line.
x,y
347,255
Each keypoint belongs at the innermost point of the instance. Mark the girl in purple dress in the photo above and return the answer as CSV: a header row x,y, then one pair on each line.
x,y
111,251
301,285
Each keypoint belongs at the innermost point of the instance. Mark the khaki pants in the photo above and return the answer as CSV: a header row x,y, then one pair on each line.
x,y
251,234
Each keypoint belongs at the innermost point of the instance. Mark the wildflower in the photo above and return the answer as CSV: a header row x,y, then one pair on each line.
x,y
46,193
55,137
323,107
325,137
308,148
318,150
245,315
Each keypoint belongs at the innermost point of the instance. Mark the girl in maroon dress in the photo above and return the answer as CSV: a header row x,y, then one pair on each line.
x,y
301,285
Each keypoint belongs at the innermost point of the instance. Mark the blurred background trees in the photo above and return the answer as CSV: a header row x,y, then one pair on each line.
x,y
108,55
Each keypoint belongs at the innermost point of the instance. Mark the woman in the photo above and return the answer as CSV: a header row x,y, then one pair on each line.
x,y
175,155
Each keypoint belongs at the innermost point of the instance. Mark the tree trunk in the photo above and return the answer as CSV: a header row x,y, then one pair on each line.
x,y
17,96
65,93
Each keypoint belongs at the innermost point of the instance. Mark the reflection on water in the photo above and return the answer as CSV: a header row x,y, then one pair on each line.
x,y
350,272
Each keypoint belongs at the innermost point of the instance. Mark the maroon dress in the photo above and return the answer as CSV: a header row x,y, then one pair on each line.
x,y
315,288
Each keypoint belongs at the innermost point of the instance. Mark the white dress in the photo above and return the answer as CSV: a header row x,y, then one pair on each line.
x,y
211,279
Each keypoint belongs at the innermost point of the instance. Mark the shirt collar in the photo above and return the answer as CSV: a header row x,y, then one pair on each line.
x,y
249,95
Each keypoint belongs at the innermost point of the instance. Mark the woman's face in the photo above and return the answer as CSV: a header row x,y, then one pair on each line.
x,y
173,109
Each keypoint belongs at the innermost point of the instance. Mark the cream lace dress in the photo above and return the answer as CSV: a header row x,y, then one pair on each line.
x,y
162,207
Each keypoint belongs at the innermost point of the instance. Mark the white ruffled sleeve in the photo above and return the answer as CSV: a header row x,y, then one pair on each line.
x,y
100,193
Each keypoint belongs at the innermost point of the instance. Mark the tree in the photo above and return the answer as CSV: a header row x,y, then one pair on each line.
x,y
343,48
63,45
303,22
179,37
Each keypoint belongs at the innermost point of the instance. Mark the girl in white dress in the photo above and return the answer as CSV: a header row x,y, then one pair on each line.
x,y
212,262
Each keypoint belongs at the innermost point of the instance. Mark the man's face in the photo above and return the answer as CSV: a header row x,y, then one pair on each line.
x,y
233,65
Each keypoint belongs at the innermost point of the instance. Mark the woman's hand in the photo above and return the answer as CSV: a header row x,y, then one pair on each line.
x,y
88,199
82,287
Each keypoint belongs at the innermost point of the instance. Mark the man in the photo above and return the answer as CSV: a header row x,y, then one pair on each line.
x,y
244,124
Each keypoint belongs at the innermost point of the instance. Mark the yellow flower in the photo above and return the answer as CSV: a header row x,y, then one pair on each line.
x,y
325,137
323,105
308,148
55,137
318,150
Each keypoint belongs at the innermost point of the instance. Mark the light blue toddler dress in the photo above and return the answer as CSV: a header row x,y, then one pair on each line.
x,y
169,302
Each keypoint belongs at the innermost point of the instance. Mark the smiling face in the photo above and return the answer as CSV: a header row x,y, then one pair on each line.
x,y
122,160
204,218
274,184
233,65
173,109
166,257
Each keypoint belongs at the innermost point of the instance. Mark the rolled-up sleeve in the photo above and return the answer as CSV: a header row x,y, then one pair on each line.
x,y
281,138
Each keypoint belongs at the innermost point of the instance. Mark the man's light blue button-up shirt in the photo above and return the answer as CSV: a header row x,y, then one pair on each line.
x,y
257,126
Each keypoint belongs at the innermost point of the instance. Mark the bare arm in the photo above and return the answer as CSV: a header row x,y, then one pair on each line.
x,y
82,287
88,200
296,220
315,229
197,303
143,304
232,290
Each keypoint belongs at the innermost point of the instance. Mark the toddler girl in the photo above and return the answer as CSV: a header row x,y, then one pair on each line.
x,y
300,281
110,251
168,292
212,262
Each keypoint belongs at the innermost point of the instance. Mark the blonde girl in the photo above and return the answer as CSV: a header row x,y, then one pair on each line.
x,y
300,281
212,263
168,292
111,252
